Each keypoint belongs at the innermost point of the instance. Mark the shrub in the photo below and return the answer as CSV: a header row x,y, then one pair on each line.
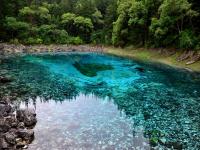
x,y
75,40
31,40
50,34
187,39
61,36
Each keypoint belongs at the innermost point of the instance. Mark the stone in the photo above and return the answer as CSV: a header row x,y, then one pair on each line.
x,y
25,147
20,143
162,141
4,126
4,80
140,69
5,109
28,116
174,145
27,135
146,115
11,137
12,121
3,143
21,125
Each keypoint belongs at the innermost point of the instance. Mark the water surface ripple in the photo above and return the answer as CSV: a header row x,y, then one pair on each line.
x,y
105,102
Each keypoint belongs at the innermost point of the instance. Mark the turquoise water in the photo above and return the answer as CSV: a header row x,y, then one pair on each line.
x,y
134,105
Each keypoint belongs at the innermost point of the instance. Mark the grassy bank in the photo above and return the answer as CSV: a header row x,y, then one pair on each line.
x,y
153,55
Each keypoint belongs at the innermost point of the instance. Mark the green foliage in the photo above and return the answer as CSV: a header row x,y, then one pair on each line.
x,y
119,24
157,23
101,36
138,13
85,7
13,24
171,23
75,41
50,34
32,41
187,39
77,25
17,29
68,18
35,14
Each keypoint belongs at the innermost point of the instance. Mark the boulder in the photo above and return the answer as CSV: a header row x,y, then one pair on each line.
x,y
174,145
3,143
12,121
140,69
11,137
4,80
28,116
4,127
21,144
27,135
5,109
21,125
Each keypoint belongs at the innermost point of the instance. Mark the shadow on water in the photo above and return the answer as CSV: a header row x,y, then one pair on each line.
x,y
124,104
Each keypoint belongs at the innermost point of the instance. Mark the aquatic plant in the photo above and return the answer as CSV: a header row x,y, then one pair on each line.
x,y
91,70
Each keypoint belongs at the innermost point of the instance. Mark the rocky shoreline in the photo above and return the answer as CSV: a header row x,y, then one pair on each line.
x,y
16,126
17,49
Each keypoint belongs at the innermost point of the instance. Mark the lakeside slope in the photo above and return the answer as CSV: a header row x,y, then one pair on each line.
x,y
173,58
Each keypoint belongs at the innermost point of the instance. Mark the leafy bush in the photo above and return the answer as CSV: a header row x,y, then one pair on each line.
x,y
17,29
33,41
187,39
61,36
75,40
50,34
13,24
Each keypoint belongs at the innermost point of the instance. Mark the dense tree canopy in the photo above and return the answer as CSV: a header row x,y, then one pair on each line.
x,y
153,23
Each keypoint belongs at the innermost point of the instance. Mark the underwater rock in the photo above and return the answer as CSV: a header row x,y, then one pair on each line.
x,y
162,141
140,69
146,115
5,109
21,125
10,137
175,145
12,121
13,133
91,70
28,116
4,127
153,141
98,84
3,143
27,135
4,80
21,144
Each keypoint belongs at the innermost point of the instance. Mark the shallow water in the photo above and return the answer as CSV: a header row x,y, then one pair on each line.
x,y
134,105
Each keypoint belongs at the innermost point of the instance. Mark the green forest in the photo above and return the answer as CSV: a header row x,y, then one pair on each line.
x,y
142,23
